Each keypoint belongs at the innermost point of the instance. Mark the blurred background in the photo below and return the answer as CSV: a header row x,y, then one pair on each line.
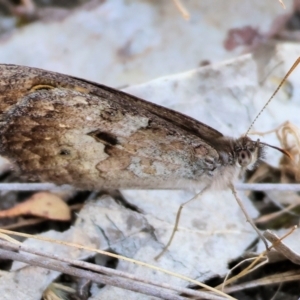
x,y
124,42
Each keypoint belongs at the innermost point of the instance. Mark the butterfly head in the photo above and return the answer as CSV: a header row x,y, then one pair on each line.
x,y
248,153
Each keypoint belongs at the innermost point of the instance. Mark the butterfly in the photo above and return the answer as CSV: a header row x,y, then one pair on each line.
x,y
61,129
66,130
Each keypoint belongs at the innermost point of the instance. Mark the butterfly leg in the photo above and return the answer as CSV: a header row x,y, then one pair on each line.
x,y
248,218
177,221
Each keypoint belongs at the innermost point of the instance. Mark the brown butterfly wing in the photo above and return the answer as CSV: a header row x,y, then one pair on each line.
x,y
70,131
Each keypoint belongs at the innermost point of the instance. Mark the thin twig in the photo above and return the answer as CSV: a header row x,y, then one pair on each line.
x,y
184,12
105,270
281,247
268,187
147,265
33,187
282,4
95,277
239,186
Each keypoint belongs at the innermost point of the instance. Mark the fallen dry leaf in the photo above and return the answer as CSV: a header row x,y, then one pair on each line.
x,y
41,204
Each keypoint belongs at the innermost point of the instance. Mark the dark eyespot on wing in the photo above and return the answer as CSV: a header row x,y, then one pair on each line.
x,y
104,137
65,152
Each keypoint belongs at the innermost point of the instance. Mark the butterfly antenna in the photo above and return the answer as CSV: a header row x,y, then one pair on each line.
x,y
278,88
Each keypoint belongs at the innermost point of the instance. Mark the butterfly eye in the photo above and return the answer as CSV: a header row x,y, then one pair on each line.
x,y
244,158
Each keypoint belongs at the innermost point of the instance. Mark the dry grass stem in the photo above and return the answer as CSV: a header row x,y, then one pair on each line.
x,y
184,12
272,279
281,247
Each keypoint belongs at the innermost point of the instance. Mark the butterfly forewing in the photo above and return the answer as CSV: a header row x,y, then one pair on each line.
x,y
65,130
